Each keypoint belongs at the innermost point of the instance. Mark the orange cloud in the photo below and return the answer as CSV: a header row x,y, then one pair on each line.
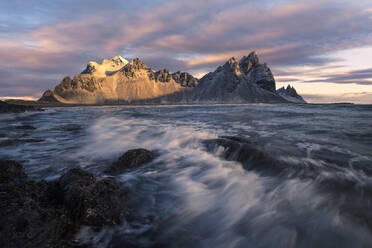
x,y
222,57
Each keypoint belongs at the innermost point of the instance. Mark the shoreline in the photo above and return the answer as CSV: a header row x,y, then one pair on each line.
x,y
47,105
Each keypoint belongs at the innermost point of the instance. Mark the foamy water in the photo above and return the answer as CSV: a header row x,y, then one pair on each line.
x,y
190,196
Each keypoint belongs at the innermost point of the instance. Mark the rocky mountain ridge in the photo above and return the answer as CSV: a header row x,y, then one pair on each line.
x,y
290,94
118,81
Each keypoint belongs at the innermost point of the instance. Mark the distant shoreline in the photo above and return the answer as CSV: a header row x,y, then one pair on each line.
x,y
51,104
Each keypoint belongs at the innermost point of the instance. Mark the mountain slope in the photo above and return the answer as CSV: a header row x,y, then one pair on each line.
x,y
244,81
290,94
118,81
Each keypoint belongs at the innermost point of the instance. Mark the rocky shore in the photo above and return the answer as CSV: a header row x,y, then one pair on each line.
x,y
15,108
49,214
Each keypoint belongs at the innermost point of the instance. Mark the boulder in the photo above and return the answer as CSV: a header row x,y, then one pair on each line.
x,y
131,159
11,171
90,201
27,219
41,214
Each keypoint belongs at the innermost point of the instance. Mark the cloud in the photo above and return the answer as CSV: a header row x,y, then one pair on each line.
x,y
362,77
49,39
358,98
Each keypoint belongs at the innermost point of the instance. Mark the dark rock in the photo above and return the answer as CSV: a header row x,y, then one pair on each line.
x,y
131,159
232,65
290,94
77,83
27,219
185,79
162,76
247,62
263,77
236,81
48,96
91,201
15,108
242,150
259,73
11,171
89,69
133,66
40,214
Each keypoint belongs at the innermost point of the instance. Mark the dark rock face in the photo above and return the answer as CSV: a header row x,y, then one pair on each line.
x,y
232,65
264,77
290,93
131,159
89,69
40,214
259,73
133,66
185,79
77,83
162,76
247,62
48,96
241,81
15,108
65,84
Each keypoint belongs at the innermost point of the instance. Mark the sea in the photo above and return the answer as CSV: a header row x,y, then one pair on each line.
x,y
316,191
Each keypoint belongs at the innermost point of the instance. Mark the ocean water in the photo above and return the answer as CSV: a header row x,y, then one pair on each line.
x,y
191,195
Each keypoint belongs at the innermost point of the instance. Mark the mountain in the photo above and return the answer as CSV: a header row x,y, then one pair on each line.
x,y
290,94
118,81
48,96
236,81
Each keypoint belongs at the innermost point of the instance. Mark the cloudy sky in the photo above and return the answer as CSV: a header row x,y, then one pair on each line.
x,y
322,47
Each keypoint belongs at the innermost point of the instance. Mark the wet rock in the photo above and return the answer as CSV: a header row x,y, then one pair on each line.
x,y
242,150
15,108
26,218
91,201
11,171
40,214
131,159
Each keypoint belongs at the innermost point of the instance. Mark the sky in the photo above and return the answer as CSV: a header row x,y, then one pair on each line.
x,y
321,47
